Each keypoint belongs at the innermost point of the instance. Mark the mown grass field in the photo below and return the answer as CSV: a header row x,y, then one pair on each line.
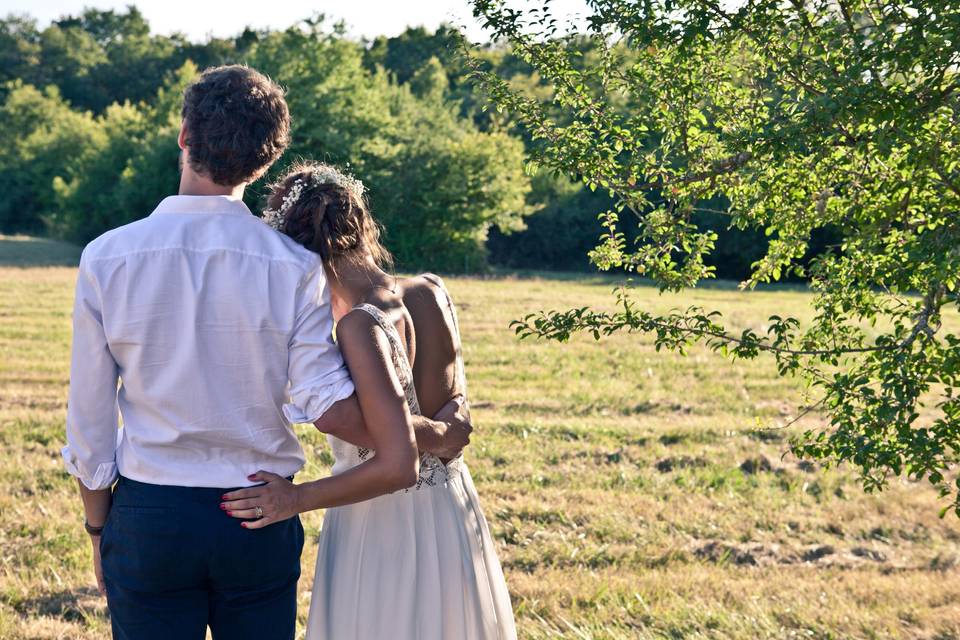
x,y
610,474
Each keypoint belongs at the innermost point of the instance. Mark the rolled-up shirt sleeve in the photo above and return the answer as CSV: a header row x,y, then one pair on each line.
x,y
92,413
318,376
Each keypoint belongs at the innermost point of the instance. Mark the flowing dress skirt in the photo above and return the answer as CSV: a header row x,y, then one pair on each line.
x,y
414,565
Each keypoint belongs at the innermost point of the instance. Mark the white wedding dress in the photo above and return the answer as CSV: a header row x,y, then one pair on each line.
x,y
419,564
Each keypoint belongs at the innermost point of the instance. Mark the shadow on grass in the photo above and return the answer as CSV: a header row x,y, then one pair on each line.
x,y
615,279
70,605
28,251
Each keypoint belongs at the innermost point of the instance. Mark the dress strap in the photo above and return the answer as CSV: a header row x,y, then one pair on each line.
x,y
401,361
381,319
376,312
435,279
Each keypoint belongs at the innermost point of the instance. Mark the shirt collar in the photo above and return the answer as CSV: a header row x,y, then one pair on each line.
x,y
202,204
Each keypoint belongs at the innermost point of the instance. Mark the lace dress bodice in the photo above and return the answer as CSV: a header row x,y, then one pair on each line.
x,y
433,472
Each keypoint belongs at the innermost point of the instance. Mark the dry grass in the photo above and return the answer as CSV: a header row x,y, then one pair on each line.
x,y
610,475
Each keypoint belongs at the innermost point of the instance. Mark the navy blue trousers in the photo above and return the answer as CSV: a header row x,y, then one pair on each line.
x,y
174,564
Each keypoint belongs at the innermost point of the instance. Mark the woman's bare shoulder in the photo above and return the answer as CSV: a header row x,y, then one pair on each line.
x,y
356,324
427,303
424,297
426,285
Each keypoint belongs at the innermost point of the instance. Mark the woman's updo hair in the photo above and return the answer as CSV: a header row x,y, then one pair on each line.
x,y
325,210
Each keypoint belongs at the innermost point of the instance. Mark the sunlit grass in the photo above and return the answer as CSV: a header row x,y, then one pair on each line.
x,y
611,476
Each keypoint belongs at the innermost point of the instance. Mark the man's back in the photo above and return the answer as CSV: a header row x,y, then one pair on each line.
x,y
206,314
211,322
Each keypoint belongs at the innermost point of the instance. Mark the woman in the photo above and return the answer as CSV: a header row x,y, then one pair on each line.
x,y
418,563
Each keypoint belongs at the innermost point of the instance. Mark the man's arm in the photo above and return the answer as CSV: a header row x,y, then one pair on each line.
x,y
96,507
316,371
444,436
92,414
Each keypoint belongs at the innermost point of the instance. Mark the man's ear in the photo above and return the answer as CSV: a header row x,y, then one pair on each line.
x,y
182,137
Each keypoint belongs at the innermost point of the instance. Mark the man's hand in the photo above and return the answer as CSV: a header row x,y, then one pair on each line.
x,y
456,436
98,565
96,509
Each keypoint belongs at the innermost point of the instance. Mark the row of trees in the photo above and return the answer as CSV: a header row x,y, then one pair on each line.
x,y
89,107
88,140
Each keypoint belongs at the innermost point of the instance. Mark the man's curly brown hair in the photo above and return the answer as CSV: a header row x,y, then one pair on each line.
x,y
237,124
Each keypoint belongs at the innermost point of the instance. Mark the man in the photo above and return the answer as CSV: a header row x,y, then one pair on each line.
x,y
219,331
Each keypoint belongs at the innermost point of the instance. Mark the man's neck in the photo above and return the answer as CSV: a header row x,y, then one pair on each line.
x,y
192,184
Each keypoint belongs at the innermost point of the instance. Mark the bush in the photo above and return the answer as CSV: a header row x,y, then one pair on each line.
x,y
436,182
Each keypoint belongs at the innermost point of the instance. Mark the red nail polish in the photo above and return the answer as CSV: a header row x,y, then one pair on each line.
x,y
223,497
243,524
223,506
229,513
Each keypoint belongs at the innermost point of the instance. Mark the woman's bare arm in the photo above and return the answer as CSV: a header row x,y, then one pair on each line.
x,y
434,373
382,401
448,430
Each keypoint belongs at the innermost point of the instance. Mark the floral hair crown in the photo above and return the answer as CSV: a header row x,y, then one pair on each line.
x,y
316,176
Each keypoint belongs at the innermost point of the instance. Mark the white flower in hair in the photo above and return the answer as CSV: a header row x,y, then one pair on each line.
x,y
320,174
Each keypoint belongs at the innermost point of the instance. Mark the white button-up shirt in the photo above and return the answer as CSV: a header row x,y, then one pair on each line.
x,y
220,332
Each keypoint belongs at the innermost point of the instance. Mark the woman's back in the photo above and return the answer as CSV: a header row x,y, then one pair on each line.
x,y
438,363
422,561
388,312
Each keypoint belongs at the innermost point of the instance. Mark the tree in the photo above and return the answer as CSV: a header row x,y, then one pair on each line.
x,y
135,154
19,48
134,61
560,234
67,58
435,181
109,28
405,54
805,117
99,57
41,138
430,80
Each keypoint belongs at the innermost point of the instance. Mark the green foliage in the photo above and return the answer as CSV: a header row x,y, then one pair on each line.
x,y
807,118
99,57
102,58
19,48
41,138
136,155
430,80
406,54
437,181
561,233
